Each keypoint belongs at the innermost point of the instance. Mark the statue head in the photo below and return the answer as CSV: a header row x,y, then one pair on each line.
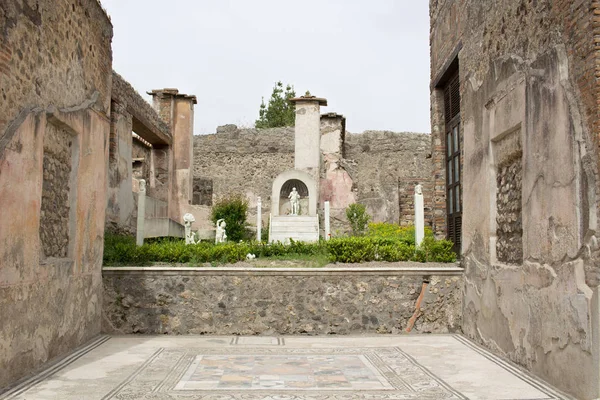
x,y
142,185
188,219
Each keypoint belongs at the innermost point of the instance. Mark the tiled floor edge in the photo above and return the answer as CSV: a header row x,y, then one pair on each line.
x,y
515,370
51,367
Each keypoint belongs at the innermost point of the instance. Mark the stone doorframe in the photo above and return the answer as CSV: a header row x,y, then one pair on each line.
x,y
308,180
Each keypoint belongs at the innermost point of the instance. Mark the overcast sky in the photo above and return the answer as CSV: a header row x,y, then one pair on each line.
x,y
370,59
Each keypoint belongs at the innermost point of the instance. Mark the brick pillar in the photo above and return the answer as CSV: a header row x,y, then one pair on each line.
x,y
177,110
439,164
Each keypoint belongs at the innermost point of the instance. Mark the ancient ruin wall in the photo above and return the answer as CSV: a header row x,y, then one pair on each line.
x,y
241,161
62,65
384,167
55,77
527,76
268,301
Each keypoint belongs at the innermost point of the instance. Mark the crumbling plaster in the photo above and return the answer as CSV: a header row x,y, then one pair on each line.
x,y
55,74
523,73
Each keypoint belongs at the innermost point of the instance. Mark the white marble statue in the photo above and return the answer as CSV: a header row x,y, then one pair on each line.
x,y
188,220
419,189
221,234
295,200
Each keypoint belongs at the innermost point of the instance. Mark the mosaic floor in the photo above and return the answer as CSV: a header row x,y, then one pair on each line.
x,y
278,368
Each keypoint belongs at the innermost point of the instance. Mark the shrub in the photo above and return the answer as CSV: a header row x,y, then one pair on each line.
x,y
121,250
358,218
386,230
232,209
363,249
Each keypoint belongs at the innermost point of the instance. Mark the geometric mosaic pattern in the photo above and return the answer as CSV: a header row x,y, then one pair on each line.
x,y
282,373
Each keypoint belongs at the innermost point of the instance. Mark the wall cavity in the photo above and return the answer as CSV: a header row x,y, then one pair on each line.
x,y
54,222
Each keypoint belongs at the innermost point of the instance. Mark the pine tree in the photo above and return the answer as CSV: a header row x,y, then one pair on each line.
x,y
280,111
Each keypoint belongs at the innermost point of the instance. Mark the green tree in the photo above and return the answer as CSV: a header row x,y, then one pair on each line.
x,y
358,217
233,209
280,111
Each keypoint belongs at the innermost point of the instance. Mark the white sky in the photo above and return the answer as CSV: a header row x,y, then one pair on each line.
x,y
369,58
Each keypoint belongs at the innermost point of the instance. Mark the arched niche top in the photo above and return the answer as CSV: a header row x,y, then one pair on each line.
x,y
291,175
291,184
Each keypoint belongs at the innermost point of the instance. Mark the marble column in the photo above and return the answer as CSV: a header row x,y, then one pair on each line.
x,y
258,219
141,213
419,215
327,221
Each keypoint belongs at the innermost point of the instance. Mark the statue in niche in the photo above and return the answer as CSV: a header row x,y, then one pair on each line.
x,y
221,234
142,186
190,237
419,189
295,200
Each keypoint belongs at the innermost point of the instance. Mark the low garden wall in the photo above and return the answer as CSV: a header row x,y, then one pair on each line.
x,y
425,298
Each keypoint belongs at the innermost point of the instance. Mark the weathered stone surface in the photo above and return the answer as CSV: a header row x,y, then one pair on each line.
x,y
55,78
380,169
54,221
389,163
509,226
527,70
146,121
268,302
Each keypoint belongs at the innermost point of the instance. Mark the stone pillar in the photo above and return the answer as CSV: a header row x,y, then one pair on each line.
x,y
120,209
327,221
419,215
307,137
258,219
141,213
177,110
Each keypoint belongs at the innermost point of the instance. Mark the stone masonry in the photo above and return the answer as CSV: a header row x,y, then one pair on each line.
x,y
54,222
527,74
383,167
509,220
209,301
55,88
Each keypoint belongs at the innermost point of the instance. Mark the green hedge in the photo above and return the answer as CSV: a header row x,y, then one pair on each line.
x,y
121,250
362,249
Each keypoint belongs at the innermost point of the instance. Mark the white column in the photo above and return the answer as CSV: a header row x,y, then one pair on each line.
x,y
141,213
419,215
327,221
258,219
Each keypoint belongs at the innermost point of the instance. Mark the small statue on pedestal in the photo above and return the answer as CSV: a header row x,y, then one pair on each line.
x,y
295,200
221,234
188,220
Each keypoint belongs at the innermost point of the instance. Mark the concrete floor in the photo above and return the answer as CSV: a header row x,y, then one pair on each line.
x,y
278,368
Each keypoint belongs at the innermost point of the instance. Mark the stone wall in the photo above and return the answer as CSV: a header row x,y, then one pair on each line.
x,y
54,222
55,79
239,301
527,88
509,218
383,168
242,161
